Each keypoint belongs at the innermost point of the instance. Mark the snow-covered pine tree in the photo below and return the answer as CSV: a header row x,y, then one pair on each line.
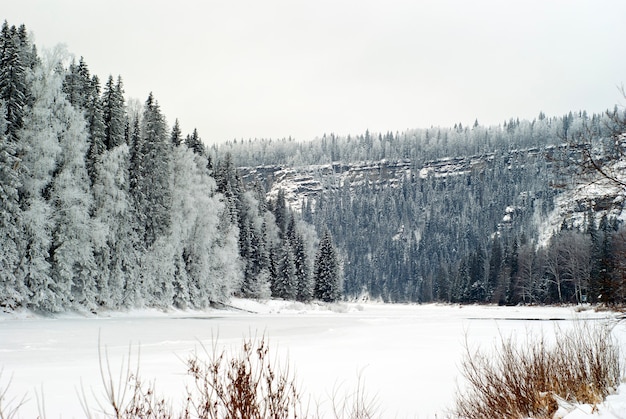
x,y
284,285
151,192
302,278
13,88
12,291
113,112
304,283
76,83
253,246
13,85
83,92
176,137
194,142
327,271
95,125
280,211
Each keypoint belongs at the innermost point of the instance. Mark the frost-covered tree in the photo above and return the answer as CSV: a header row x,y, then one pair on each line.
x,y
204,248
115,242
222,258
327,271
71,199
41,150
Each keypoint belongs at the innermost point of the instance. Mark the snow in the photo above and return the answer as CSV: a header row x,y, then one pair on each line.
x,y
407,356
614,407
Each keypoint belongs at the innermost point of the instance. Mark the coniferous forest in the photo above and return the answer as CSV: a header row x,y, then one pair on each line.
x,y
527,212
106,205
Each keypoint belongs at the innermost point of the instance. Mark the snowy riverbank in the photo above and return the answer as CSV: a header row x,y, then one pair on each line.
x,y
407,355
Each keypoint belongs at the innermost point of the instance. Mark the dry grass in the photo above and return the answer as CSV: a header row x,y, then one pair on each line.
x,y
520,381
357,404
247,385
244,384
8,407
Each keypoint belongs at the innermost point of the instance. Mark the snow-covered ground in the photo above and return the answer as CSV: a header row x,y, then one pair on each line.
x,y
406,355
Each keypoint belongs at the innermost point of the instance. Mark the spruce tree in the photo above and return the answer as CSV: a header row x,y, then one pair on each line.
x,y
327,272
176,137
281,213
153,154
12,291
304,283
83,92
13,88
113,113
285,286
95,125
194,143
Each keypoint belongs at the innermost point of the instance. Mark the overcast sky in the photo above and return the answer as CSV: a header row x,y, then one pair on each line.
x,y
279,68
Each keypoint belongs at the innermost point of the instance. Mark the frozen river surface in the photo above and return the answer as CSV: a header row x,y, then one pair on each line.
x,y
406,355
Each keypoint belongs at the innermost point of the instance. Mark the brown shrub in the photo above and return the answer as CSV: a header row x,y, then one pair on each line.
x,y
520,381
246,385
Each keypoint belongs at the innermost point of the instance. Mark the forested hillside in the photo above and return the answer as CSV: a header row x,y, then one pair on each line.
x,y
105,206
500,214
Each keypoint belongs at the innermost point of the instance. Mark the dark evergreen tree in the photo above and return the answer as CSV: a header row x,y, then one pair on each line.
x,y
327,271
113,113
77,84
83,92
12,291
604,264
176,136
285,285
512,292
272,267
279,208
95,126
13,88
304,283
494,286
194,143
150,171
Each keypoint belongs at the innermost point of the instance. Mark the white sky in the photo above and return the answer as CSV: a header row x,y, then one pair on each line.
x,y
279,68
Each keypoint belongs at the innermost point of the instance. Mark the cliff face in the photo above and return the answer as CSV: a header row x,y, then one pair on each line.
x,y
571,200
305,184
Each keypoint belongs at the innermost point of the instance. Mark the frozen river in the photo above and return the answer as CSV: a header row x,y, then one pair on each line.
x,y
407,355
